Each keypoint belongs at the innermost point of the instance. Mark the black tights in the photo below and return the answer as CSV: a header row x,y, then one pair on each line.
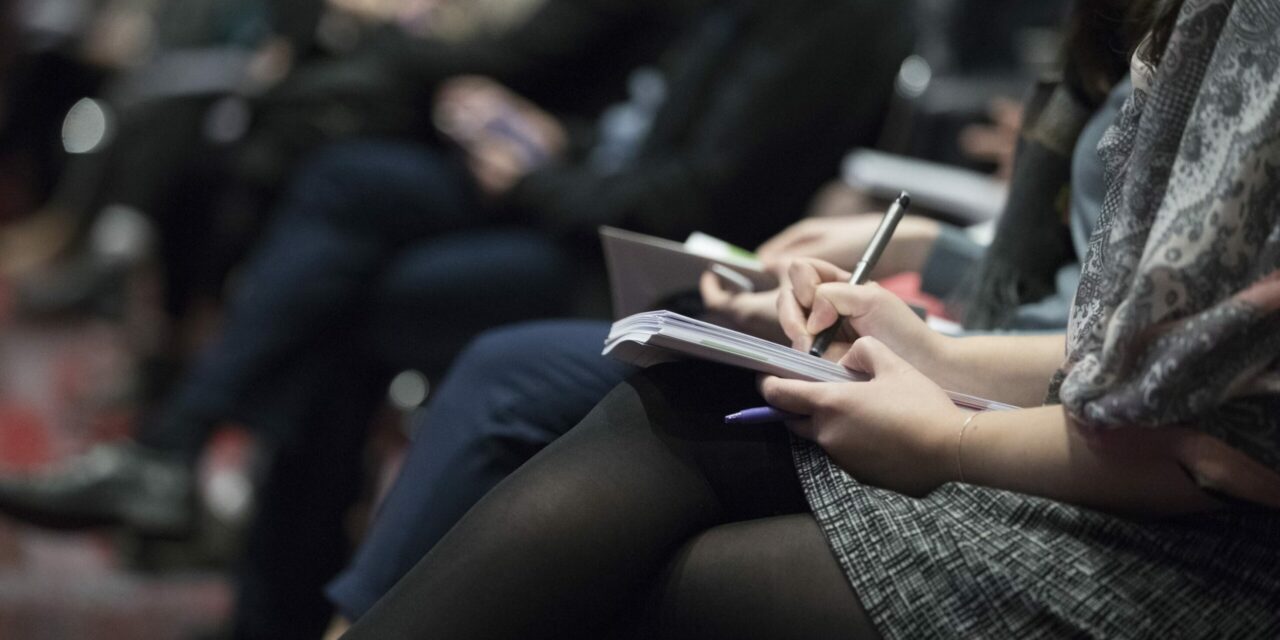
x,y
650,519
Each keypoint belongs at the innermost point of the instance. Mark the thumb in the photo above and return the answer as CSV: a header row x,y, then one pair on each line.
x,y
874,357
793,396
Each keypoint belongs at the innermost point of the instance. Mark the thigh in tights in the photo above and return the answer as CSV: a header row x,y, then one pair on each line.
x,y
651,518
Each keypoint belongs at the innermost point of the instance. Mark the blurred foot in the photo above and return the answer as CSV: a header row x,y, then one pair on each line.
x,y
120,484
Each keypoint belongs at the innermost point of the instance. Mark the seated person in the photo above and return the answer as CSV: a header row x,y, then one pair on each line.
x,y
515,390
1146,504
759,104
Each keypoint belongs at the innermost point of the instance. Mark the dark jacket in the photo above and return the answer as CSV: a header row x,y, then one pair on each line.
x,y
571,57
764,98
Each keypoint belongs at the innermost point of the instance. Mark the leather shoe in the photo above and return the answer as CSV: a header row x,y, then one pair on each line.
x,y
117,484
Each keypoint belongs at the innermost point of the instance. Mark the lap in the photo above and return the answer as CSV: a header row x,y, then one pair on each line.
x,y
439,293
398,190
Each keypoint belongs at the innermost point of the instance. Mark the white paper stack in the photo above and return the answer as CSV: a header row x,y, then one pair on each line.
x,y
646,339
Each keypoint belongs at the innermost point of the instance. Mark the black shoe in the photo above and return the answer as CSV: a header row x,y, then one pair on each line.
x,y
113,485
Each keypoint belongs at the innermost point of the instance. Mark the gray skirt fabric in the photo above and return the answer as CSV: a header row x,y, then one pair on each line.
x,y
972,562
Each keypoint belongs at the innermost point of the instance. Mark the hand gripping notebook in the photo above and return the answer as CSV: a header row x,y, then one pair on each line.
x,y
650,338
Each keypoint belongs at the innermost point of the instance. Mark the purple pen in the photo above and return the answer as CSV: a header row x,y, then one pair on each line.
x,y
760,415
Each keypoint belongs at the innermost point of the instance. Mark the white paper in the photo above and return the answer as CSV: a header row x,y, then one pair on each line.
x,y
645,339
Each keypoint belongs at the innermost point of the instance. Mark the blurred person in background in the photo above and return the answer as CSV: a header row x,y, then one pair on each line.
x,y
759,102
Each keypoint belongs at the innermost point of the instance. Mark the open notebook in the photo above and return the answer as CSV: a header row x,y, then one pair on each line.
x,y
653,337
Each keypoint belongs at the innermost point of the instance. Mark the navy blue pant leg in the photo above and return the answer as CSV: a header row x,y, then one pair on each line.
x,y
441,293
348,212
299,536
509,394
424,308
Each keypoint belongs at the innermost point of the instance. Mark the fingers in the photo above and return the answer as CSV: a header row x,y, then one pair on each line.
x,y
812,399
874,357
774,246
831,301
795,245
806,275
714,296
466,105
793,320
801,280
496,165
793,396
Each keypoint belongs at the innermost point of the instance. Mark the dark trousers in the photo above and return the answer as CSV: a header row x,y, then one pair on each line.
x,y
381,258
349,216
509,394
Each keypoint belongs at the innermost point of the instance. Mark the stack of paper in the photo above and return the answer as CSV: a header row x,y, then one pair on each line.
x,y
653,337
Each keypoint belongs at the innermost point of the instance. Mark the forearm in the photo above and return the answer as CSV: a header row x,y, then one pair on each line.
x,y
1012,369
1037,452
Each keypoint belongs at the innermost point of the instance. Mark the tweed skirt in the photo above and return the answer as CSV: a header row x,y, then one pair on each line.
x,y
968,561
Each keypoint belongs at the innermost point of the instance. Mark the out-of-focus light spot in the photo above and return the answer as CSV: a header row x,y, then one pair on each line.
x,y
87,127
229,496
227,120
409,390
914,77
121,233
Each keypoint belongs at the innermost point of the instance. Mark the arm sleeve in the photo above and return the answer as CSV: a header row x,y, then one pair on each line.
x,y
558,55
779,116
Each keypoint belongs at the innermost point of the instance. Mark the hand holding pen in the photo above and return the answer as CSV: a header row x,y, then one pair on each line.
x,y
875,248
862,271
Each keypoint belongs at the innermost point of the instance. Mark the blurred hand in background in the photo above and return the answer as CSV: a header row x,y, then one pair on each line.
x,y
504,136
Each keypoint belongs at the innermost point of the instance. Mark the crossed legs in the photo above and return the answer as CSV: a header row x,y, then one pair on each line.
x,y
651,517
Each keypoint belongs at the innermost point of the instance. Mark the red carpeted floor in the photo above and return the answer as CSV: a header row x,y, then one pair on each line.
x,y
63,386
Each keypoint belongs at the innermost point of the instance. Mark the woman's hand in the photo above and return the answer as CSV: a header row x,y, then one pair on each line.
x,y
898,430
504,136
816,294
752,312
841,239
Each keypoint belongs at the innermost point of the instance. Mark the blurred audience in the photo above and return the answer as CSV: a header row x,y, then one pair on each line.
x,y
376,182
429,236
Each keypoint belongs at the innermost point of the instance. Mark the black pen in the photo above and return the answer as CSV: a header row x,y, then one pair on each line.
x,y
868,262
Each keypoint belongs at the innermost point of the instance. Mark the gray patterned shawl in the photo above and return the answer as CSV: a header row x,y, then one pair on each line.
x,y
1175,322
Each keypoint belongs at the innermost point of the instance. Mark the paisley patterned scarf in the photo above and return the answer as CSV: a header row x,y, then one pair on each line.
x,y
1175,322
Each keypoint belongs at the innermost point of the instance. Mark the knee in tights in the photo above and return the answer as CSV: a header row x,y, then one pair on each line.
x,y
767,578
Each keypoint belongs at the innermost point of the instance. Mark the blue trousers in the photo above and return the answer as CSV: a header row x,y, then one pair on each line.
x,y
509,394
379,246
380,258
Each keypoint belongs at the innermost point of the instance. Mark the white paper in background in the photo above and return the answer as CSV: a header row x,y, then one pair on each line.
x,y
969,195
